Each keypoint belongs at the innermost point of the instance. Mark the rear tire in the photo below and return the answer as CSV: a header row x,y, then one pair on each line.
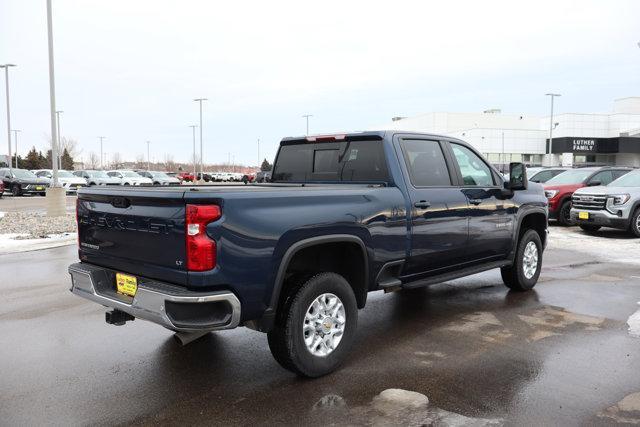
x,y
315,326
590,228
523,274
634,227
564,215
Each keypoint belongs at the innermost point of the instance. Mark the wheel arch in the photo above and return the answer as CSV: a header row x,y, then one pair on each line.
x,y
534,218
311,246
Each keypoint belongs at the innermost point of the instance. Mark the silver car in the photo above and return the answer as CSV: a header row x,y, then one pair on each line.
x,y
69,181
94,177
160,178
617,205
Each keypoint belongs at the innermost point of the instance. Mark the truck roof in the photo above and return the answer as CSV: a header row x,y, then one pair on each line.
x,y
375,135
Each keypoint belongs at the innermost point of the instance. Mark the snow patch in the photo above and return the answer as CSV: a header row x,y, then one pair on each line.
x,y
634,324
19,242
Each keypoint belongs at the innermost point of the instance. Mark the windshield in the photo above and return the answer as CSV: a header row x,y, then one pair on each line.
x,y
632,179
23,174
97,174
575,176
159,175
65,174
130,174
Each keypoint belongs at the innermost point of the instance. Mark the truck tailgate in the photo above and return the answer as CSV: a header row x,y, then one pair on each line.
x,y
136,231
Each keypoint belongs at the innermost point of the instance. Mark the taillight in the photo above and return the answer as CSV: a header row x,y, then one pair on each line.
x,y
201,250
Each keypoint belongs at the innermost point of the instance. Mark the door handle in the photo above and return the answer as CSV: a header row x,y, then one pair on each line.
x,y
475,201
422,204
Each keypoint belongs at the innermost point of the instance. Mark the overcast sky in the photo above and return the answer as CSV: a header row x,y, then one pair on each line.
x,y
129,70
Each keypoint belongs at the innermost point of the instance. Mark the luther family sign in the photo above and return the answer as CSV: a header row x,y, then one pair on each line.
x,y
584,144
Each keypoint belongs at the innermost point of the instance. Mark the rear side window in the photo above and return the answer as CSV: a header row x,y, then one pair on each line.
x,y
425,163
351,161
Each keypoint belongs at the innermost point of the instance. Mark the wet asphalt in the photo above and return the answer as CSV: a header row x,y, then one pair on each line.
x,y
558,355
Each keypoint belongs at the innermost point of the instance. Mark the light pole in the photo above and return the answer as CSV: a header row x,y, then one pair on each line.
x,y
6,83
59,159
199,100
101,138
552,95
148,157
15,138
306,116
193,131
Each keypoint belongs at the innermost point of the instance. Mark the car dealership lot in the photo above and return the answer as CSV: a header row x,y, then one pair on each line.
x,y
561,354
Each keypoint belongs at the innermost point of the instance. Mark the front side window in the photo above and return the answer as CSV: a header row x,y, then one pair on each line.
x,y
474,171
425,163
604,178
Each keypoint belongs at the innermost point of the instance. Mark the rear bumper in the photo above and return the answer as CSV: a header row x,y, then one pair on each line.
x,y
170,306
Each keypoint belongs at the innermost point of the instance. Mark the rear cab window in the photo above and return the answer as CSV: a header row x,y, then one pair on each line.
x,y
345,161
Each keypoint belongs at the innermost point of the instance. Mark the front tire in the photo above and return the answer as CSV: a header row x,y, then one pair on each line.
x,y
564,215
315,326
590,228
16,191
523,274
634,227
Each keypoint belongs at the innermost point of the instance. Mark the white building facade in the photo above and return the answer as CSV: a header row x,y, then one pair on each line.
x,y
611,138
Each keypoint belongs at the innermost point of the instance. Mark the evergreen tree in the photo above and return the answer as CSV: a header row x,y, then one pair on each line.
x,y
66,161
32,161
42,160
266,166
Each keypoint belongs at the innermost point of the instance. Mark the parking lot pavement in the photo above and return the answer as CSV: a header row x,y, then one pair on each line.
x,y
9,203
559,355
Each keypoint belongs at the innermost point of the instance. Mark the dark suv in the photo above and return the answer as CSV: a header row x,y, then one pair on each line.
x,y
22,181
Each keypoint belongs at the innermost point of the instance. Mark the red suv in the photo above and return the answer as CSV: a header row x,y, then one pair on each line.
x,y
560,188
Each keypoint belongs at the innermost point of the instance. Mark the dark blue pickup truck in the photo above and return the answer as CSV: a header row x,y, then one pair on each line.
x,y
343,215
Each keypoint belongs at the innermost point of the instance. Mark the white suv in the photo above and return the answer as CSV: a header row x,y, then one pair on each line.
x,y
128,177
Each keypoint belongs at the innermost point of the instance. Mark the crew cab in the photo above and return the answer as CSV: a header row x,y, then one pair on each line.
x,y
560,188
616,205
343,215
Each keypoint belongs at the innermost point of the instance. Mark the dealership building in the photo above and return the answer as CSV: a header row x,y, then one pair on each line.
x,y
611,138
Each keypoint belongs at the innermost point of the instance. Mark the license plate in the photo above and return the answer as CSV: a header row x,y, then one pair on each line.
x,y
39,188
126,285
583,215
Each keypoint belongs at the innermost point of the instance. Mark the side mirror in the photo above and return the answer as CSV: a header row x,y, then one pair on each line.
x,y
517,177
594,183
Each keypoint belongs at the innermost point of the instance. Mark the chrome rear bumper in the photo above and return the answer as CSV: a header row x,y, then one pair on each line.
x,y
170,306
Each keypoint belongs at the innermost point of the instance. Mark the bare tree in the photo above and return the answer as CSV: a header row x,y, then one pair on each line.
x,y
71,146
116,160
169,163
141,162
93,161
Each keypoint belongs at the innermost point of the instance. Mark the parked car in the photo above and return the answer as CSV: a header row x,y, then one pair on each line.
x,y
185,176
248,178
68,180
617,205
95,177
129,177
160,178
263,176
387,211
543,175
1,189
560,188
22,181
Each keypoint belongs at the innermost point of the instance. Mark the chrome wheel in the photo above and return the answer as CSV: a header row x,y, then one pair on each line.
x,y
638,223
530,260
323,325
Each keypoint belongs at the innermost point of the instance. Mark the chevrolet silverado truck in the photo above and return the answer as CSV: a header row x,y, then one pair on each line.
x,y
343,215
616,205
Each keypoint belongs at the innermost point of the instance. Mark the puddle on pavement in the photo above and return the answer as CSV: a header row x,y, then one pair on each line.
x,y
546,322
626,411
392,407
